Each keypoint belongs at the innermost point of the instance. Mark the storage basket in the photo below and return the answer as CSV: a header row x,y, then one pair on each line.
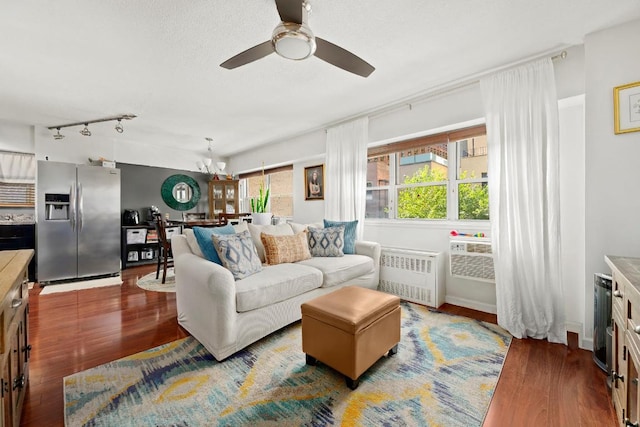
x,y
137,235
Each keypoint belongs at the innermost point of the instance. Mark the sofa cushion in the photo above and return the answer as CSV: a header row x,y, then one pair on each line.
x,y
274,230
327,242
350,230
203,237
275,283
297,227
238,254
341,269
281,249
193,243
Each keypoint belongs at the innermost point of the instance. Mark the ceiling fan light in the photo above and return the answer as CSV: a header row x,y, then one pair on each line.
x,y
293,41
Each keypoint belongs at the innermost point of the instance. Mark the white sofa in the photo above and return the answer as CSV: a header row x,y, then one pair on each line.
x,y
226,315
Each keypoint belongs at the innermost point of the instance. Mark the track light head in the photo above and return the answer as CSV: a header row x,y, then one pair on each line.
x,y
85,131
119,127
58,136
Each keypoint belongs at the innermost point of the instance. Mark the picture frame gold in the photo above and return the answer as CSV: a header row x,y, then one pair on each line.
x,y
626,108
314,182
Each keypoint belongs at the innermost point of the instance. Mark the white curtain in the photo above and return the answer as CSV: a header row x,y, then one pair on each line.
x,y
346,172
17,168
521,110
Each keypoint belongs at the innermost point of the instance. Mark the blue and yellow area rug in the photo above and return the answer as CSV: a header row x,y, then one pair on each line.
x,y
444,374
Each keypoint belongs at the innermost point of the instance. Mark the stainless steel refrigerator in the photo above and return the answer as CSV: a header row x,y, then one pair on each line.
x,y
78,221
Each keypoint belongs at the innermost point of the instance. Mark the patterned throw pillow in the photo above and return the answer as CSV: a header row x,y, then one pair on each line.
x,y
281,249
203,237
238,254
350,228
326,241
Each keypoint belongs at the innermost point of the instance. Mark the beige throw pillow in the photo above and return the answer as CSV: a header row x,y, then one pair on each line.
x,y
276,230
281,249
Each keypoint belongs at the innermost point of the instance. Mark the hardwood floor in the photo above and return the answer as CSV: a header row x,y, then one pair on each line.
x,y
541,384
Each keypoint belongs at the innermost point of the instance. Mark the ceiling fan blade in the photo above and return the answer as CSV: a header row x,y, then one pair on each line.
x,y
335,55
290,10
249,55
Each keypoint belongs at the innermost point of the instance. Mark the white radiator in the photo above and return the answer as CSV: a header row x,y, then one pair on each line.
x,y
412,275
472,259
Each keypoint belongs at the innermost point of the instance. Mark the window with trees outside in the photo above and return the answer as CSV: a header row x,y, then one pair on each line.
x,y
279,181
436,177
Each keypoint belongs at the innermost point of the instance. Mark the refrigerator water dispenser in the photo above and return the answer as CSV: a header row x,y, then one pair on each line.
x,y
56,206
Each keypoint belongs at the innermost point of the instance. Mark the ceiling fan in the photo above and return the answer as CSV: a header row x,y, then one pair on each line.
x,y
293,39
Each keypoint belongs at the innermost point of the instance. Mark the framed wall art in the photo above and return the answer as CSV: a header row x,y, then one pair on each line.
x,y
314,182
626,108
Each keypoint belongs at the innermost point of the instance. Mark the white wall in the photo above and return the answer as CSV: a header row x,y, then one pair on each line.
x,y
572,218
75,148
16,137
612,199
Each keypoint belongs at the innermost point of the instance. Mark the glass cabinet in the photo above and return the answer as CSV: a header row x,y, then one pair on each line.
x,y
223,197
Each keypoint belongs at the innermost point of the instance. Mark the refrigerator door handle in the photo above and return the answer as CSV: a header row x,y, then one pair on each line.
x,y
80,207
72,198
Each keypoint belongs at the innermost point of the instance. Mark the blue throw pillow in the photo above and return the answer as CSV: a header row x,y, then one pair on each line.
x,y
203,237
350,228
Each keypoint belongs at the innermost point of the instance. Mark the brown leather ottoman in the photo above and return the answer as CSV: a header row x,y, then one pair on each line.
x,y
350,329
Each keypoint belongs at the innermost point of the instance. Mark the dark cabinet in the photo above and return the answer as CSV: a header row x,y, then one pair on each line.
x,y
19,236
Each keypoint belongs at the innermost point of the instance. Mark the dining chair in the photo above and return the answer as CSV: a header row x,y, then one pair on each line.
x,y
165,256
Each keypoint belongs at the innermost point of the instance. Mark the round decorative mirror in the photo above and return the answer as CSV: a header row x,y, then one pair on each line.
x,y
180,192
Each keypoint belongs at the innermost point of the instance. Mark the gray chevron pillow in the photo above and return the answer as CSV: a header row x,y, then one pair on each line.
x,y
238,254
327,242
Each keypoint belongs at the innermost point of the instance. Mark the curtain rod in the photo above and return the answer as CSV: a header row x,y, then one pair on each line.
x,y
17,152
452,86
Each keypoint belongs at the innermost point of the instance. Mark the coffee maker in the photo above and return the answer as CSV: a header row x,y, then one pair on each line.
x,y
130,217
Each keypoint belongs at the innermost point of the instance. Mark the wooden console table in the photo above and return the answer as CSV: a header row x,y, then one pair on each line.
x,y
14,341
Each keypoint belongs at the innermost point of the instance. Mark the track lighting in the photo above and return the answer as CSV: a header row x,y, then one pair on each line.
x,y
58,135
86,132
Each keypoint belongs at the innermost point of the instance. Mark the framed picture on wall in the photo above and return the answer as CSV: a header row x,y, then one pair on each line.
x,y
314,182
626,108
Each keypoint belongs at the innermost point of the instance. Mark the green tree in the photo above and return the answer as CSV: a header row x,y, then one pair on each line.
x,y
473,199
430,202
423,202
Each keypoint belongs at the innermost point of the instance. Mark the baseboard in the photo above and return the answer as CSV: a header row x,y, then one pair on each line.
x,y
586,344
576,328
474,305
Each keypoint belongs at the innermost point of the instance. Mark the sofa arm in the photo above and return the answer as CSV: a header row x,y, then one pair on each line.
x,y
205,298
370,249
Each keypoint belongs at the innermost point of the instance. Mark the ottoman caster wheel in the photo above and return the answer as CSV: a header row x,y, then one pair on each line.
x,y
310,360
393,350
352,384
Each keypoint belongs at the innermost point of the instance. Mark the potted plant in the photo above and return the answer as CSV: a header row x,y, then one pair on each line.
x,y
259,206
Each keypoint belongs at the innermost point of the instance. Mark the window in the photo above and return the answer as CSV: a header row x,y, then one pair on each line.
x,y
437,177
279,181
17,179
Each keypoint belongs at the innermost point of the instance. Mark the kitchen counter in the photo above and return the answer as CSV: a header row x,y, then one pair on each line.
x,y
628,267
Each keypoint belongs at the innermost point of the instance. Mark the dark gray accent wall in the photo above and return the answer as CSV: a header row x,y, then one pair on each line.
x,y
140,189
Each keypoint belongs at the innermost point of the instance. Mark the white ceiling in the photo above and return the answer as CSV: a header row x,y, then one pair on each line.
x,y
67,61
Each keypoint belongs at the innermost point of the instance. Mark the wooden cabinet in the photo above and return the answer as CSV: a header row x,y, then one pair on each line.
x,y
223,197
14,341
626,338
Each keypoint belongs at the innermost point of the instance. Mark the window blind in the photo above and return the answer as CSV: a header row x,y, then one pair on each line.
x,y
17,179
